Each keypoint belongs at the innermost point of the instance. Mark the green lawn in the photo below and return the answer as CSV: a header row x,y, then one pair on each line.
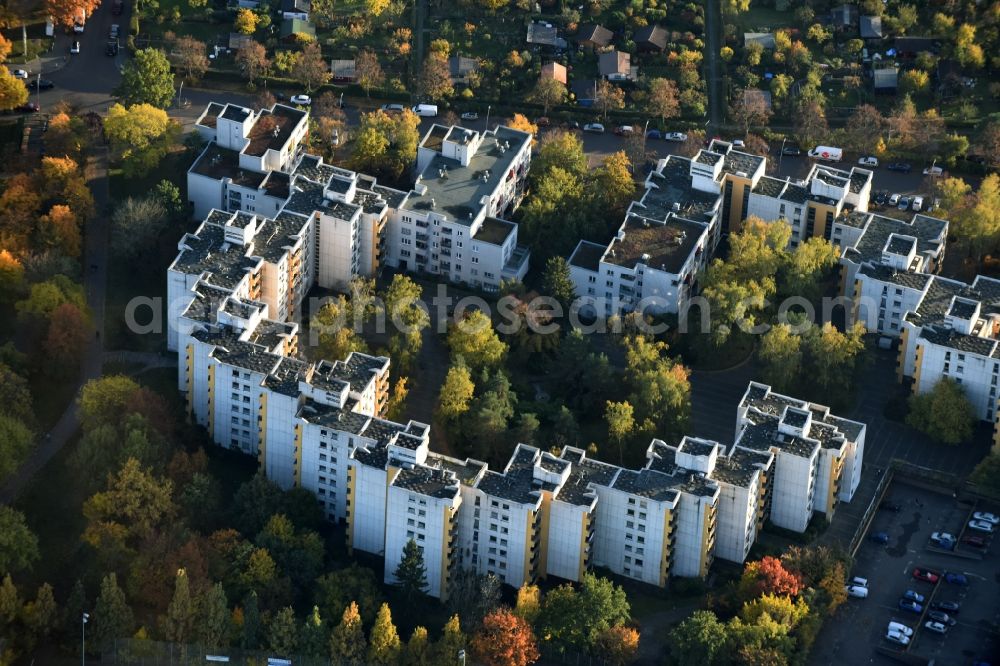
x,y
763,19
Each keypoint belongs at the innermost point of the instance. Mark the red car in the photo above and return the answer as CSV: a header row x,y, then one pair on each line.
x,y
977,541
926,575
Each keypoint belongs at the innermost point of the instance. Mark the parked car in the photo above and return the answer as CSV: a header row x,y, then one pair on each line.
x,y
912,606
904,203
897,637
868,161
113,32
111,48
942,536
29,107
596,128
624,130
879,537
914,596
933,171
543,122
927,575
956,578
74,47
947,606
19,73
393,108
881,198
902,167
676,136
654,134
900,628
472,115
791,151
943,618
981,526
40,84
893,199
78,28
918,203
858,580
857,591
303,100
425,110
936,627
988,517
975,541
738,143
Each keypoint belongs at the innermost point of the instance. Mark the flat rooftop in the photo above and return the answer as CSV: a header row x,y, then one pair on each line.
x,y
587,255
218,163
272,129
494,231
664,246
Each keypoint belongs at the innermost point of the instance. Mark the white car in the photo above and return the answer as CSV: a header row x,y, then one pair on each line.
x,y
470,115
676,136
981,526
943,536
393,108
936,627
988,517
917,204
335,137
868,161
19,73
899,628
596,128
897,637
857,591
933,171
858,580
738,143
304,100
74,47
78,28
894,199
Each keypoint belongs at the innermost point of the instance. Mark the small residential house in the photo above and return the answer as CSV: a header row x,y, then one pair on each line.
x,y
844,17
541,33
238,40
765,39
296,9
585,91
885,79
870,27
554,70
652,38
615,65
292,27
343,71
593,36
909,47
461,67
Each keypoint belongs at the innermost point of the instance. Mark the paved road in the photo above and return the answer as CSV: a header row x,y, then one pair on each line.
x,y
713,73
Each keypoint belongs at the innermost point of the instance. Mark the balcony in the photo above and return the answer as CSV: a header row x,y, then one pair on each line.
x,y
445,252
422,224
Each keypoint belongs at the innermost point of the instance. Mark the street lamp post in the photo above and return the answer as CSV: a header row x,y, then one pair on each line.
x,y
781,153
489,107
461,657
83,638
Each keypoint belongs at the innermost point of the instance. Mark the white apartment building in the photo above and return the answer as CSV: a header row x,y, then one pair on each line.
x,y
887,264
450,224
953,332
817,456
670,234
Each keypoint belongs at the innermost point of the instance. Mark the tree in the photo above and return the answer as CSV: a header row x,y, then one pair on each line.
x,y
42,614
67,339
377,7
367,71
456,392
621,423
311,69
986,475
781,353
16,441
810,123
103,400
768,576
966,50
618,645
520,122
434,79
190,57
528,604
561,149
140,136
60,230
474,339
112,617
809,263
250,636
548,92
662,100
5,48
864,129
213,617
700,640
252,59
452,641
178,625
347,642
607,97
135,500
978,222
660,389
45,297
18,544
573,620
282,634
314,636
504,639
833,355
13,92
146,79
474,595
944,413
613,183
750,110
246,21
10,602
354,584
411,574
914,81
11,277
67,13
383,643
558,283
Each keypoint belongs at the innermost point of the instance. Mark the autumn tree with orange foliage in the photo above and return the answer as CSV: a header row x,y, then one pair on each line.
x,y
618,645
60,229
521,122
68,12
504,639
11,275
66,340
768,576
19,204
6,46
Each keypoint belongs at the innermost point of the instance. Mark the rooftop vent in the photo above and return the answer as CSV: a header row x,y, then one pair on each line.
x,y
646,258
676,206
432,203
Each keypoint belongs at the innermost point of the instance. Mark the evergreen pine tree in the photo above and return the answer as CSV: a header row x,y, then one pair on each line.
x,y
179,622
347,642
251,623
213,617
383,643
112,616
411,574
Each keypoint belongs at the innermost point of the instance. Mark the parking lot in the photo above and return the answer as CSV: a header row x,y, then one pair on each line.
x,y
853,635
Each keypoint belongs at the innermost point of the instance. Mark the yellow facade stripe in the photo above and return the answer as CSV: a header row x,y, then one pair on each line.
x,y
901,357
445,551
298,455
665,554
262,432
